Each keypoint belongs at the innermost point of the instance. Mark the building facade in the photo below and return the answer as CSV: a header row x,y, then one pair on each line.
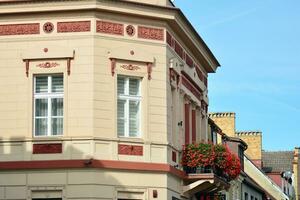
x,y
97,98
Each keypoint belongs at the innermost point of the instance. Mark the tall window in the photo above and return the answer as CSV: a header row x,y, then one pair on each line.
x,y
129,106
48,105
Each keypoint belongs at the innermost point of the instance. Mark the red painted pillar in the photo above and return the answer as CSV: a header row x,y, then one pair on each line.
x,y
193,125
187,122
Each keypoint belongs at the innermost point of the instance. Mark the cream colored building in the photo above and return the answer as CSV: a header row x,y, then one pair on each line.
x,y
97,98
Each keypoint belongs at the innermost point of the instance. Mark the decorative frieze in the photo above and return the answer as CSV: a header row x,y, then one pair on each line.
x,y
130,67
47,65
150,33
132,150
50,148
75,26
185,57
192,87
109,28
19,29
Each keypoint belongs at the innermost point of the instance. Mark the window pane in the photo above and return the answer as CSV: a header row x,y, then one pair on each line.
x,y
134,85
121,117
41,107
41,84
134,118
57,83
57,107
57,126
121,85
41,127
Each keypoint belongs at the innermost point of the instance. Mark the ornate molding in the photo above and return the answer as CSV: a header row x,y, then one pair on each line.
x,y
19,29
47,65
48,27
130,30
150,33
109,28
75,26
47,148
130,67
190,86
131,150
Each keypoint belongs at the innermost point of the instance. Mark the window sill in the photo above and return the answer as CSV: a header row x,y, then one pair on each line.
x,y
47,138
129,139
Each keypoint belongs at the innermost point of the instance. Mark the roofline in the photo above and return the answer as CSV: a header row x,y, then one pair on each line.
x,y
211,57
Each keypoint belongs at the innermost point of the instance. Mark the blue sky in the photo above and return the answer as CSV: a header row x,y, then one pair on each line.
x,y
257,43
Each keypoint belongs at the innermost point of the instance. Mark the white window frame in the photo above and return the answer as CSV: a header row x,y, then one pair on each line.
x,y
127,97
49,96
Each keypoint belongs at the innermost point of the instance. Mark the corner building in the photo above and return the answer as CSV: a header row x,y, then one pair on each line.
x,y
97,98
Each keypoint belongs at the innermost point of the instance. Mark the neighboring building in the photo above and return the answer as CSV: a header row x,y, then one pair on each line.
x,y
97,98
254,180
296,171
278,165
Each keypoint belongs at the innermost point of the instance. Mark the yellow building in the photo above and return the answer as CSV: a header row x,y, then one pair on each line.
x,y
97,98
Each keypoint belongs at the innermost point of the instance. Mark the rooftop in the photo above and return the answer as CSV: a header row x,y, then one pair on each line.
x,y
277,161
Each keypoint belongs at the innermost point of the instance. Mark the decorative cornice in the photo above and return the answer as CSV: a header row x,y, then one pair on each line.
x,y
221,114
248,133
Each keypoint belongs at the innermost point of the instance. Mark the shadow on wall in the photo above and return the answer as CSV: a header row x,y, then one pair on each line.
x,y
53,169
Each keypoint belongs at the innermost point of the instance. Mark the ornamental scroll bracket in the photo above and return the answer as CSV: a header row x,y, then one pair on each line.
x,y
47,55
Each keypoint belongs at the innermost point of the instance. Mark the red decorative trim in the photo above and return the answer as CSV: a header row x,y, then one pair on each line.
x,y
132,150
149,70
174,156
187,122
178,49
189,61
110,28
130,30
191,87
76,26
48,27
47,148
169,39
199,73
205,81
150,33
113,66
102,164
130,67
20,29
47,65
193,126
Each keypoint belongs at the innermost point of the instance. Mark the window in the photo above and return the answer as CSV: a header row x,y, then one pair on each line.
x,y
246,196
48,105
129,106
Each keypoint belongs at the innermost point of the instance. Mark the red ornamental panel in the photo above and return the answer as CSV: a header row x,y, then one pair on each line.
x,y
150,33
174,156
132,150
169,39
110,28
47,148
20,29
193,125
187,123
191,88
76,26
